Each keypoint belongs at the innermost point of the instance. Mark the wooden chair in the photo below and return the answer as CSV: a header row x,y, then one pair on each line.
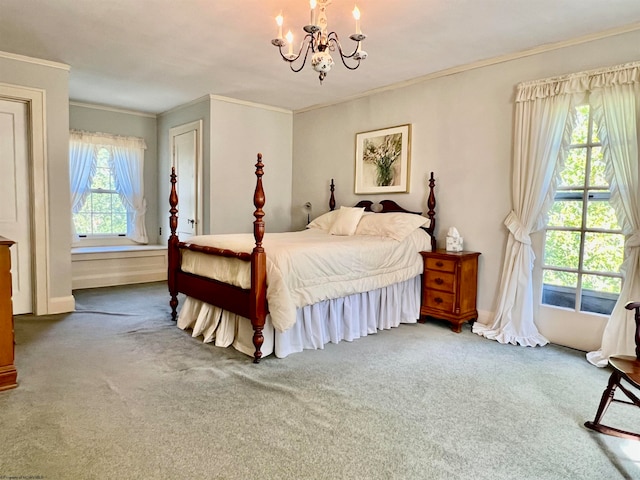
x,y
625,367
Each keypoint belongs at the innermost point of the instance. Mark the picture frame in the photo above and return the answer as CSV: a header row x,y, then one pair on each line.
x,y
383,160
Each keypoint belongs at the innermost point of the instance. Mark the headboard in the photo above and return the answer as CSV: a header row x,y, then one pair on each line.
x,y
387,206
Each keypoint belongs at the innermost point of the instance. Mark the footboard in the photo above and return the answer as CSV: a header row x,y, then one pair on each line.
x,y
251,303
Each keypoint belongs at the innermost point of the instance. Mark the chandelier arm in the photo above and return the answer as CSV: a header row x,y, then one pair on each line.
x,y
308,41
333,37
342,55
304,60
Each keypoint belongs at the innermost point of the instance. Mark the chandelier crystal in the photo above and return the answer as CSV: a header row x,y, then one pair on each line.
x,y
319,43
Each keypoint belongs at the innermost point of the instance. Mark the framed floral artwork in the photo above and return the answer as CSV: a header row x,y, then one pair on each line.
x,y
383,160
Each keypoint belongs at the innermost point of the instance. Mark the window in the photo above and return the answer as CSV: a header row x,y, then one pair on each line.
x,y
103,213
106,174
584,245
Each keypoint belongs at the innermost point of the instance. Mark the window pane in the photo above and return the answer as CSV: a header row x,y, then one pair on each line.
x,y
119,223
82,223
101,202
596,175
603,252
101,223
102,179
600,214
574,168
559,288
565,213
599,293
563,279
102,158
562,249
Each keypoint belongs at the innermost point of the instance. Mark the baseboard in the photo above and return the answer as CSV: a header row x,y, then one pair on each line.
x,y
61,305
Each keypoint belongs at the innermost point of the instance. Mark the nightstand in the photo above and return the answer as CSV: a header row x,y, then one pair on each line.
x,y
449,286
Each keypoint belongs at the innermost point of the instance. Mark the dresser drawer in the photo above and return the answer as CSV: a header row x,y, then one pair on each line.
x,y
438,300
439,280
440,264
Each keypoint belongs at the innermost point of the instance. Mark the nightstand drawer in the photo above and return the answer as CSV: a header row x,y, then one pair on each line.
x,y
440,264
439,300
439,280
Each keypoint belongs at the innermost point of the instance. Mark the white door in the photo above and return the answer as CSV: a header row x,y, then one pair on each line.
x,y
15,205
186,148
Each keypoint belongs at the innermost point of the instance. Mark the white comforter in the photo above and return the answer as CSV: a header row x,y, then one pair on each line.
x,y
310,266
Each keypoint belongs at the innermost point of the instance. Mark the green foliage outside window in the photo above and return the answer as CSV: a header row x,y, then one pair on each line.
x,y
103,212
583,243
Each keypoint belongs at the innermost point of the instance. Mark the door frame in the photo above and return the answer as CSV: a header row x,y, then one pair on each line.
x,y
34,99
179,130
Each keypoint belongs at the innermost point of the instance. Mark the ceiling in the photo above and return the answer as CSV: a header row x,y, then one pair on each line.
x,y
153,55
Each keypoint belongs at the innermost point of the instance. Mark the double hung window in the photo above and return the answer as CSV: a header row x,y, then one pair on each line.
x,y
584,244
107,187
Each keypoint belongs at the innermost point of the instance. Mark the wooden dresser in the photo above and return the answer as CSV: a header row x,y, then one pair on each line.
x,y
8,372
449,286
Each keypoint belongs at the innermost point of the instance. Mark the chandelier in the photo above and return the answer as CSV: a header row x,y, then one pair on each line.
x,y
318,42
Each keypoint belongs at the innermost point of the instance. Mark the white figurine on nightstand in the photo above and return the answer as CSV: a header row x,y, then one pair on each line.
x,y
454,240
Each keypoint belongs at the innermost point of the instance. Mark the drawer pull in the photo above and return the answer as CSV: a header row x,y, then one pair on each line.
x,y
438,300
439,281
439,264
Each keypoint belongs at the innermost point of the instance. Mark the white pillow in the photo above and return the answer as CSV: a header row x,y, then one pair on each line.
x,y
324,221
396,225
347,221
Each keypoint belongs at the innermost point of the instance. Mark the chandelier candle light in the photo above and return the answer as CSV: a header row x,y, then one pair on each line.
x,y
319,42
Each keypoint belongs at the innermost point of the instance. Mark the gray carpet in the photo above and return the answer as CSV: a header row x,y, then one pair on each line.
x,y
116,390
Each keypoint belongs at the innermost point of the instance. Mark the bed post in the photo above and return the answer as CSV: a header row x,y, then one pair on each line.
x,y
431,213
258,305
332,198
173,250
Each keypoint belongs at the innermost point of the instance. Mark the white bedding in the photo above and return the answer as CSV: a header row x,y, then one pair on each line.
x,y
311,266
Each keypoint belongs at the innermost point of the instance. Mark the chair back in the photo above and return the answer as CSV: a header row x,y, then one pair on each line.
x,y
636,306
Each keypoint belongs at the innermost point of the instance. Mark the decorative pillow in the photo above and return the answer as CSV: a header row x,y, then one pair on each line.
x,y
324,221
396,225
347,221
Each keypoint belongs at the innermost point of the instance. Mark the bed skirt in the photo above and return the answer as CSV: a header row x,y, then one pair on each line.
x,y
345,318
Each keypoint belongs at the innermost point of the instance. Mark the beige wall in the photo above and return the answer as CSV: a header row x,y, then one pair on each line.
x,y
239,131
462,130
54,80
233,133
197,110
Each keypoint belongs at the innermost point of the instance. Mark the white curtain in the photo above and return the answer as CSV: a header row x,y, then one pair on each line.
x,y
128,167
616,112
542,135
82,167
127,160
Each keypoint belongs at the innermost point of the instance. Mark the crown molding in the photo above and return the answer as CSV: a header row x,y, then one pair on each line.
x,y
483,63
36,61
250,104
106,108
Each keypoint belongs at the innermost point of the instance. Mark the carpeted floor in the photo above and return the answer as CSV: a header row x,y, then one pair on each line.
x,y
117,391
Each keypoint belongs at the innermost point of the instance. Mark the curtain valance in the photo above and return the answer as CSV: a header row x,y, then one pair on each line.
x,y
107,140
628,73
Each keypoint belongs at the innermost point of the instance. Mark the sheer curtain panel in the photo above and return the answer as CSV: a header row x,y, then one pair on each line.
x,y
82,168
128,168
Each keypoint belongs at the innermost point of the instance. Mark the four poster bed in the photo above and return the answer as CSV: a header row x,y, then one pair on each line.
x,y
352,272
